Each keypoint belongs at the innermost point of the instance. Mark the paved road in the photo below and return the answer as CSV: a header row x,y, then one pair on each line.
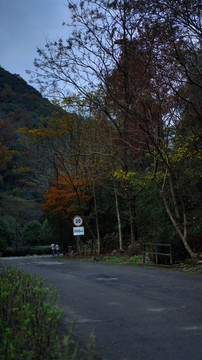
x,y
136,313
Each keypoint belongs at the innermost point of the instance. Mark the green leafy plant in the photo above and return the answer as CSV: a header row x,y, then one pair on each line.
x,y
30,319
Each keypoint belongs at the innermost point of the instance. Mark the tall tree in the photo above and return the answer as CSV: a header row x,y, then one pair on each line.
x,y
131,60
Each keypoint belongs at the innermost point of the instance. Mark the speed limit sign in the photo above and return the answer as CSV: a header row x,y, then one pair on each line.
x,y
77,220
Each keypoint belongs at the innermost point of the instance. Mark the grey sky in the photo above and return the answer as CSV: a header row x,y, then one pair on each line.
x,y
24,26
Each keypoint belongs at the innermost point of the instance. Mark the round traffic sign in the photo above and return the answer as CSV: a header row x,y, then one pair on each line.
x,y
77,220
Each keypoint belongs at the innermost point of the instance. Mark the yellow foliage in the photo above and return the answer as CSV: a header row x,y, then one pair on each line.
x,y
133,179
15,152
22,170
31,184
54,129
185,148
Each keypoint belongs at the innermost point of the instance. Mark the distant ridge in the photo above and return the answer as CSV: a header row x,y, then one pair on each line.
x,y
17,95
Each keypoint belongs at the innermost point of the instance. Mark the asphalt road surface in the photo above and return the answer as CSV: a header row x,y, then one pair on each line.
x,y
135,313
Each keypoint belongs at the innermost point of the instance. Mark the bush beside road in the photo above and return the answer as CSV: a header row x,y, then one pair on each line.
x,y
30,320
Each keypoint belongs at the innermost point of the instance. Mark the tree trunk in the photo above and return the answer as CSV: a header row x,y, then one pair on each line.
x,y
183,235
118,219
174,199
78,244
97,222
133,227
89,227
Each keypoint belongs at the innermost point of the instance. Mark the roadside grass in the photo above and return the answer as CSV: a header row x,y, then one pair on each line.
x,y
137,260
30,321
110,259
122,260
130,260
187,267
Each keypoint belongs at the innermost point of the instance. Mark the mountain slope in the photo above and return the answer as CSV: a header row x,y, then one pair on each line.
x,y
20,105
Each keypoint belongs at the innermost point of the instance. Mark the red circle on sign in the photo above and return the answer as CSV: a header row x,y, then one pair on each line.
x,y
77,220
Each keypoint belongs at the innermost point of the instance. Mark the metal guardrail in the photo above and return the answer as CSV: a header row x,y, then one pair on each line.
x,y
155,252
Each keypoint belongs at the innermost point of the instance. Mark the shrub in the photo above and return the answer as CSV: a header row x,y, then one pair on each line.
x,y
27,250
41,250
11,251
29,317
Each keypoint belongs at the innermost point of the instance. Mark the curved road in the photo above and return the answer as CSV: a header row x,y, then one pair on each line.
x,y
135,313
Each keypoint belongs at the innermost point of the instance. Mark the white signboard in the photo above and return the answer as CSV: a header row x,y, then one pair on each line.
x,y
78,230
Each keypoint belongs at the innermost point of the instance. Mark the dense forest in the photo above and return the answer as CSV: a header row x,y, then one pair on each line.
x,y
20,105
121,143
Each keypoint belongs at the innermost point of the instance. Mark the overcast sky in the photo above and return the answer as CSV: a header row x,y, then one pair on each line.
x,y
24,26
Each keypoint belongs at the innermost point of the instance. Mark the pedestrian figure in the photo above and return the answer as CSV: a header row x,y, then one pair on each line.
x,y
53,249
57,248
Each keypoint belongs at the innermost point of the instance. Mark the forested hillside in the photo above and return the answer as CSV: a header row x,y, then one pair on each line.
x,y
20,105
123,147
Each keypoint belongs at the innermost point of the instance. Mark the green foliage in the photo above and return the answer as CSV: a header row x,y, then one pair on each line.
x,y
21,105
31,233
46,235
30,318
133,178
3,245
27,250
61,228
15,205
16,92
122,260
6,233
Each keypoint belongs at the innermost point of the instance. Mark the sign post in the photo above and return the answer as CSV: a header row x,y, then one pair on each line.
x,y
78,229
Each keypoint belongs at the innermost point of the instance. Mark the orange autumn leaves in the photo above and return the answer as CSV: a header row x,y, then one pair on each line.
x,y
66,196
